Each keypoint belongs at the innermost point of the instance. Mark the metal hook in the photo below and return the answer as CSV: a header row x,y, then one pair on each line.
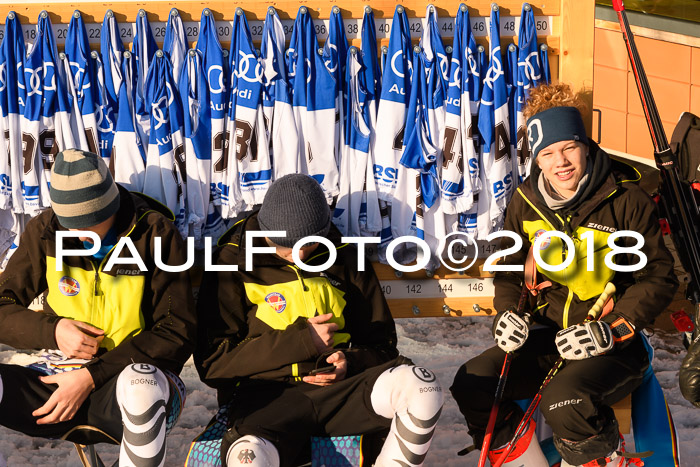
x,y
271,10
399,9
416,49
192,52
159,53
62,56
416,310
448,49
543,47
174,13
225,54
494,6
93,54
368,9
207,11
480,49
44,14
385,50
142,13
335,10
527,7
303,10
76,14
109,13
353,50
11,15
239,11
511,48
463,8
127,54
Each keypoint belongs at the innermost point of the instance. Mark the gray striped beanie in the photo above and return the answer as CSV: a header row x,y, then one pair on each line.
x,y
83,193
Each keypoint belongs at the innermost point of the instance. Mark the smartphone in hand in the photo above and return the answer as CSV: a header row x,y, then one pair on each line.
x,y
325,369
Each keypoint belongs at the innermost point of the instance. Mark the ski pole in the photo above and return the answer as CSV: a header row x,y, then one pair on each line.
x,y
593,314
678,201
500,387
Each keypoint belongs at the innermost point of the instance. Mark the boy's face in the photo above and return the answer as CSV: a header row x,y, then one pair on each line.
x,y
563,164
286,253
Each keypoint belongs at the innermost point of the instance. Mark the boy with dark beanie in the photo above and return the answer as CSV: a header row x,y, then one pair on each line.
x,y
265,330
116,338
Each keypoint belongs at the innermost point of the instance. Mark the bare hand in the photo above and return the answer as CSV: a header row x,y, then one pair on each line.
x,y
338,360
77,339
73,388
322,332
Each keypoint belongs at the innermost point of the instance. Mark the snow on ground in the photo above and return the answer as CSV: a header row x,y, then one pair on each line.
x,y
441,344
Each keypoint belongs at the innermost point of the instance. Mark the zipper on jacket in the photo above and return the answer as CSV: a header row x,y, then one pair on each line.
x,y
97,288
304,288
565,316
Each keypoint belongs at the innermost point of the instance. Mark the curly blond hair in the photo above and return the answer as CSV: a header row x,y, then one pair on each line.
x,y
546,96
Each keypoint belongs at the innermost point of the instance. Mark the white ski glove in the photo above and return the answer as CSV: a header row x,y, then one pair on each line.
x,y
584,340
510,331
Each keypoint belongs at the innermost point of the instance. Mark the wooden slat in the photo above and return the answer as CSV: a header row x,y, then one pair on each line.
x,y
576,49
387,273
61,11
623,413
433,307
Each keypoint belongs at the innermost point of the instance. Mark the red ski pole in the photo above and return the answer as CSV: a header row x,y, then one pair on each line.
x,y
593,314
499,388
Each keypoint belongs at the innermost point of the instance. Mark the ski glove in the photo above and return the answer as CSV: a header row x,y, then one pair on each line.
x,y
510,331
584,340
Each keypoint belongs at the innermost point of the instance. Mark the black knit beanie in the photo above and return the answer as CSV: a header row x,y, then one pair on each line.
x,y
295,203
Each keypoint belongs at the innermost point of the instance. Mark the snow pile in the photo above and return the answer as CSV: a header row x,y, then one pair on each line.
x,y
441,344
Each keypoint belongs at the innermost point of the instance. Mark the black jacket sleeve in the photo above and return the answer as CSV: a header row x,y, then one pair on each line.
x,y
508,285
369,322
22,281
652,287
168,338
225,350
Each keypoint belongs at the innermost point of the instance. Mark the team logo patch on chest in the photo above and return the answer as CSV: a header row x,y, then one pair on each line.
x,y
68,286
277,301
545,243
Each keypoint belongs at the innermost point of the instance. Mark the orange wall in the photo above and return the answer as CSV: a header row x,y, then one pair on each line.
x,y
673,71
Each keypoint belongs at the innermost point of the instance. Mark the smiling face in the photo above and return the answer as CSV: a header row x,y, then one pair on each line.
x,y
563,164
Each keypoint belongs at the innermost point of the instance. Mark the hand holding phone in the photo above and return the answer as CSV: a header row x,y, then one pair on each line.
x,y
325,369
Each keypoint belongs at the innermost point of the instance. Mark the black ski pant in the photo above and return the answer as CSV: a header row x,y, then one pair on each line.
x,y
97,420
575,404
289,414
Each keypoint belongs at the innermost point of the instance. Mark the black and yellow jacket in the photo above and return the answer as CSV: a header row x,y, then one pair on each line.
x,y
252,324
612,202
147,317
